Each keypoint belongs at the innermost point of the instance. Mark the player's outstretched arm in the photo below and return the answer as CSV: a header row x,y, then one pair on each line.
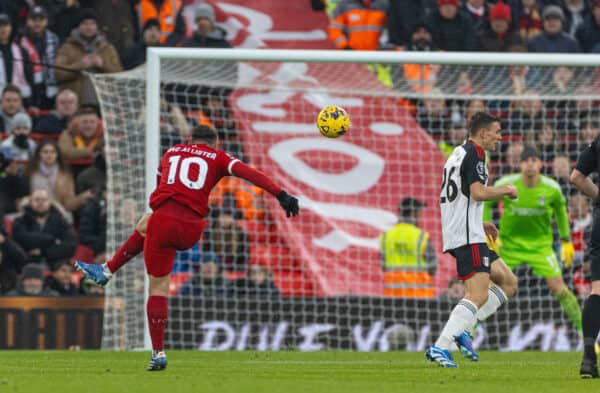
x,y
256,177
584,184
481,192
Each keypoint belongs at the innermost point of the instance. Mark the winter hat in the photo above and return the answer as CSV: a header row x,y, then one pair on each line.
x,y
21,119
205,11
446,2
500,11
87,13
553,11
32,270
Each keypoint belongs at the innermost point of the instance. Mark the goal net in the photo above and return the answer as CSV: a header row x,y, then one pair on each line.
x,y
258,280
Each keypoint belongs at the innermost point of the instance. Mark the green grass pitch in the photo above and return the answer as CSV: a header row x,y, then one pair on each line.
x,y
288,372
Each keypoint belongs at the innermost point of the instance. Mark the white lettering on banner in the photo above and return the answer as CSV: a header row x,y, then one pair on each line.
x,y
321,98
275,127
386,128
366,344
290,72
260,25
363,176
212,328
222,336
257,103
338,240
310,333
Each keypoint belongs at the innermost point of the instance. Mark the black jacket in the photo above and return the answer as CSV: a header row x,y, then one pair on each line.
x,y
12,187
55,239
216,39
53,284
12,260
196,287
50,124
457,34
92,225
403,15
588,34
245,287
134,56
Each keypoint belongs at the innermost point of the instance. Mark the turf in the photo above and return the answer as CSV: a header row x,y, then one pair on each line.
x,y
288,372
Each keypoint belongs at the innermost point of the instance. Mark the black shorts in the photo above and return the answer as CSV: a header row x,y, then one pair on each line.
x,y
595,245
473,258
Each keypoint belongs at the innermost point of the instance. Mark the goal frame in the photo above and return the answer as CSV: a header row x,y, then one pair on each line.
x,y
155,55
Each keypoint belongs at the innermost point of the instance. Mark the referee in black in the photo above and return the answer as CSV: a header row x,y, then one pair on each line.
x,y
589,162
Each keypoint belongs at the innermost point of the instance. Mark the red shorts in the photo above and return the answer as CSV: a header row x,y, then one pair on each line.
x,y
172,227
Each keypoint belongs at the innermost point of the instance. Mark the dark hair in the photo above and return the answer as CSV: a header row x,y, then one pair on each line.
x,y
87,110
60,263
204,133
11,88
34,163
481,120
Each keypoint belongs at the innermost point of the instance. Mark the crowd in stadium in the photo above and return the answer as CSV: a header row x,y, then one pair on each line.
x,y
53,158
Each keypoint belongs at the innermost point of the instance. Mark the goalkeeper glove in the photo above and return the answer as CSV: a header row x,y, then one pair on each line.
x,y
567,252
288,203
492,244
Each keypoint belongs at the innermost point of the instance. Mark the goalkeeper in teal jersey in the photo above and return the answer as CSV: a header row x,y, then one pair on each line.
x,y
526,231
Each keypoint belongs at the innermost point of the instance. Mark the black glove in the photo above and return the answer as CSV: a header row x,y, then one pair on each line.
x,y
288,203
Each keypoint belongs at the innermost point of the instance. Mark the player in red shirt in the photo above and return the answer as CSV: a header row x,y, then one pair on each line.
x,y
187,174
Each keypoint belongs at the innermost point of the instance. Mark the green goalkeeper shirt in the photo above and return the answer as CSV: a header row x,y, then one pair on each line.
x,y
525,225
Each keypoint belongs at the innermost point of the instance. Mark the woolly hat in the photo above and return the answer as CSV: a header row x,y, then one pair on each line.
x,y
21,119
204,11
500,11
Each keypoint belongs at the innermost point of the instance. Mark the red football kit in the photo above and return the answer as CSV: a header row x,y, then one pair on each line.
x,y
187,174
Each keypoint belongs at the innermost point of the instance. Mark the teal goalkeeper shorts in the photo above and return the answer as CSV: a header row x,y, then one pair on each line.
x,y
543,263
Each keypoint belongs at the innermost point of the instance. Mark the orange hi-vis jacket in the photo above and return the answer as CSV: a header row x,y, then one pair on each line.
x,y
166,16
405,270
248,197
358,24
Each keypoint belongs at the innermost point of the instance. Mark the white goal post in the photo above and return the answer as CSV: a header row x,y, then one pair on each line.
x,y
316,76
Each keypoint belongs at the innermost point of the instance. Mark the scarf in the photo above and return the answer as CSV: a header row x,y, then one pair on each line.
x,y
18,72
43,73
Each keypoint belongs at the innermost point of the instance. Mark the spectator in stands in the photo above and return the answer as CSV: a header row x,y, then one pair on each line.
x,y
118,20
526,114
41,45
358,24
207,33
451,29
455,290
575,11
477,13
588,32
512,160
60,280
47,171
14,185
553,39
247,198
563,82
18,146
208,281
403,16
55,122
85,50
10,104
408,259
43,232
227,239
258,283
546,141
474,106
92,177
456,135
136,55
92,225
32,283
63,17
12,260
83,137
172,23
433,115
174,127
561,170
498,37
530,20
15,65
188,261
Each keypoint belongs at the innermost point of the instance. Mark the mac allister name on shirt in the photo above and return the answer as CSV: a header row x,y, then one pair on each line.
x,y
202,153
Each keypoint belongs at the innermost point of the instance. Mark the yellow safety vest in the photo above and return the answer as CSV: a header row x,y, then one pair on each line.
x,y
405,268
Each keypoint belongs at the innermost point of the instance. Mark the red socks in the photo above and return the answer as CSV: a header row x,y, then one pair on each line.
x,y
128,250
157,310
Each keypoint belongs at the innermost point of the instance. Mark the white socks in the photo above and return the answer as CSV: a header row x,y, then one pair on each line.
x,y
496,298
461,319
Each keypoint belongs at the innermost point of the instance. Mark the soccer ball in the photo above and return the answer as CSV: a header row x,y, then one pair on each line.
x,y
333,121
